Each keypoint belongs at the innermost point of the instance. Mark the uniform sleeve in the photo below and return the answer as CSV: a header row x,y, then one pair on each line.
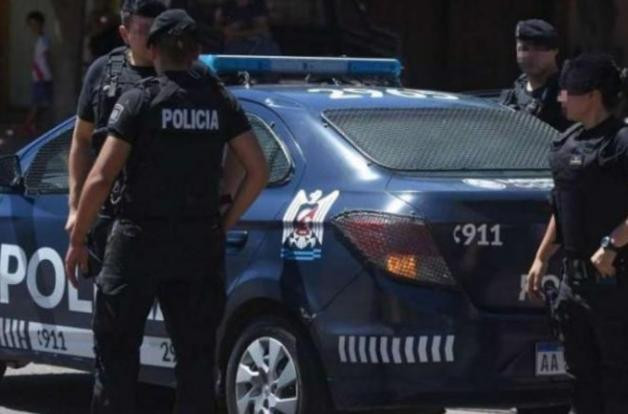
x,y
236,122
85,109
124,121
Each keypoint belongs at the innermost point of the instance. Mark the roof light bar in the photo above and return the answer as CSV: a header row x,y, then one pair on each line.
x,y
222,64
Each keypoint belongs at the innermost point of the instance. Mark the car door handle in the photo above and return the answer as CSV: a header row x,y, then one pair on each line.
x,y
237,238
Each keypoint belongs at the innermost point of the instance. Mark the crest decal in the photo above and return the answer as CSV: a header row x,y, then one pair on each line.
x,y
303,228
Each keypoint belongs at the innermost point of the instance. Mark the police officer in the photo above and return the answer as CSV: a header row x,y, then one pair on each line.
x,y
536,90
590,199
167,242
106,79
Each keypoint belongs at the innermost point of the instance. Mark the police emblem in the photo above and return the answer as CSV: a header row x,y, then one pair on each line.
x,y
115,113
303,226
576,160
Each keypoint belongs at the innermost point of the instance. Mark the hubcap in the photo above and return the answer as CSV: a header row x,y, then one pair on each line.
x,y
266,382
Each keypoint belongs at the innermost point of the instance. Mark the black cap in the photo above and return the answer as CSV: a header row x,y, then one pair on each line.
x,y
588,72
537,31
144,8
174,22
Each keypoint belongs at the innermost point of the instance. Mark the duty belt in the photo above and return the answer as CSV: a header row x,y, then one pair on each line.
x,y
580,272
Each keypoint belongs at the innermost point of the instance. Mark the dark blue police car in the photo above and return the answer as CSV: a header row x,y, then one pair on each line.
x,y
382,268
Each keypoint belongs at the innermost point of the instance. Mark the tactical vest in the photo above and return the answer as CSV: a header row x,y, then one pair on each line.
x,y
116,79
175,165
518,98
590,195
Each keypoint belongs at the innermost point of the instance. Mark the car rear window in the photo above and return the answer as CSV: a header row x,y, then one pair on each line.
x,y
446,139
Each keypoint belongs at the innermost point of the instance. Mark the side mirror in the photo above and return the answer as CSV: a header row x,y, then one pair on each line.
x,y
11,172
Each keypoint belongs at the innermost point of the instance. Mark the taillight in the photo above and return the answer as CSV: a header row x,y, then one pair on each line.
x,y
400,245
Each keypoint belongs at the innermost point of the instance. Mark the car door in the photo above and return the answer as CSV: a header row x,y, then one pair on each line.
x,y
41,312
262,221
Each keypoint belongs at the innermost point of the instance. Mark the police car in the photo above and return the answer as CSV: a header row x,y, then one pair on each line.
x,y
382,268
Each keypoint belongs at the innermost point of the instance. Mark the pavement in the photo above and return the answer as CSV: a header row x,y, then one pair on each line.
x,y
45,389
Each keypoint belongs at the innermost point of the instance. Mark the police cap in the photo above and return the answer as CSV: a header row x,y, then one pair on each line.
x,y
144,8
538,32
590,71
174,22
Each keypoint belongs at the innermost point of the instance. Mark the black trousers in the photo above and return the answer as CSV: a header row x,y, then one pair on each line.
x,y
593,321
97,243
182,267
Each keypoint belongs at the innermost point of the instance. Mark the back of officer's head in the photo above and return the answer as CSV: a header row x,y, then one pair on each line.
x,y
592,73
174,38
537,46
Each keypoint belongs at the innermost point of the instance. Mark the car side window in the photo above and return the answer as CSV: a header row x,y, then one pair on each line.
x,y
48,174
276,154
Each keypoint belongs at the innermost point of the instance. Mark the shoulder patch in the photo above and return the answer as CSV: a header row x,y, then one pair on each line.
x,y
115,113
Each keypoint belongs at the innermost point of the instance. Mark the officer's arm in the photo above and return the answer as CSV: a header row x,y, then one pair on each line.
x,y
619,235
604,259
81,158
248,151
547,249
233,174
80,161
108,165
549,245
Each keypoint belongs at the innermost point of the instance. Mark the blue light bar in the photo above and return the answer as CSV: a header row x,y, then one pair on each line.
x,y
222,64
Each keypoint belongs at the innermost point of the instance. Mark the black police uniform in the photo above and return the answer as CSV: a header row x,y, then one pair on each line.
x,y
590,198
541,102
166,242
106,80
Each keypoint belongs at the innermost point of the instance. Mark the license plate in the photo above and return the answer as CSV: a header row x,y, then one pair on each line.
x,y
550,359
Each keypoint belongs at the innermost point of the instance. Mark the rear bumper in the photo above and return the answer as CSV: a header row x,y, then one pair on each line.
x,y
388,345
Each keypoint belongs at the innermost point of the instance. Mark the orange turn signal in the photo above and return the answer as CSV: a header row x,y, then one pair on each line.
x,y
405,265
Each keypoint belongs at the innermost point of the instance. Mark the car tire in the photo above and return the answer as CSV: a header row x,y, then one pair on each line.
x,y
3,369
561,409
272,365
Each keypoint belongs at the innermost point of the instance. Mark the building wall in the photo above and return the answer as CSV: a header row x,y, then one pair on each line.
x,y
446,44
4,54
620,32
459,44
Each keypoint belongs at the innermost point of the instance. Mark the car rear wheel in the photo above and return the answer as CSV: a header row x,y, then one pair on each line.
x,y
562,409
272,370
